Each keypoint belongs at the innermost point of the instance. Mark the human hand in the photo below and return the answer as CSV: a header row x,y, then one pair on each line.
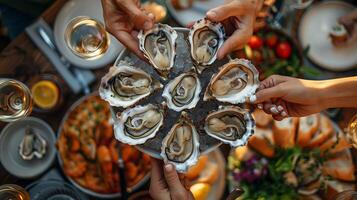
x,y
123,19
165,183
350,23
283,96
238,17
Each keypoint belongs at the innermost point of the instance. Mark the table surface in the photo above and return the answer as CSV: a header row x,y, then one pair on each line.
x,y
21,60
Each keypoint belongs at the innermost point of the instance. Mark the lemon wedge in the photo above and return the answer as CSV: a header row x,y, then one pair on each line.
x,y
200,190
45,94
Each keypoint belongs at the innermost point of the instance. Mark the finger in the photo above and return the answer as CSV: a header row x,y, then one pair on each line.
x,y
129,42
269,93
278,117
172,179
157,177
266,108
227,10
137,16
190,24
272,81
239,38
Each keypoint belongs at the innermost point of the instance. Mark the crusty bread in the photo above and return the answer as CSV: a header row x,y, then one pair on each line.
x,y
338,142
284,132
261,118
262,142
324,133
340,166
308,126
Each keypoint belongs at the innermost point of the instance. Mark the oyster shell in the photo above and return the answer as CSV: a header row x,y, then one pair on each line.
x,y
230,124
33,145
138,124
183,92
235,82
125,85
159,47
205,38
181,145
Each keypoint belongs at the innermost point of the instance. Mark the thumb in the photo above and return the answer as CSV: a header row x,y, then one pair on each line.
x,y
225,11
173,181
140,19
268,93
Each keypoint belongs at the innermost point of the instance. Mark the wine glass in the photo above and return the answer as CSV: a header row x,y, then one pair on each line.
x,y
13,192
352,131
87,37
15,100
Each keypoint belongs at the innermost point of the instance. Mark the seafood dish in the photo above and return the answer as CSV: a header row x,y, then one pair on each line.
x,y
88,151
159,47
171,109
234,83
205,38
301,157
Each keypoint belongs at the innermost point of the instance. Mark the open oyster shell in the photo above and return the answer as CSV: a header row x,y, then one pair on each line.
x,y
125,85
235,82
138,124
205,38
159,47
183,92
181,145
230,124
33,145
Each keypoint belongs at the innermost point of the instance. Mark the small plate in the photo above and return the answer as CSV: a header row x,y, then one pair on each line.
x,y
194,13
10,139
90,8
314,29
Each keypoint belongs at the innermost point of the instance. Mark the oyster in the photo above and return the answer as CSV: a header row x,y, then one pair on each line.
x,y
32,145
205,38
125,85
183,92
181,145
231,124
235,82
158,46
138,124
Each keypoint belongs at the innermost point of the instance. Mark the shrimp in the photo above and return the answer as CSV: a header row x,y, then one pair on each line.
x,y
88,147
106,166
76,166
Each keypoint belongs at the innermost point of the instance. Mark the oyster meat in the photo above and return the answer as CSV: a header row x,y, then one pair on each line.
x,y
205,38
230,124
138,124
181,145
159,47
235,82
183,92
33,145
125,85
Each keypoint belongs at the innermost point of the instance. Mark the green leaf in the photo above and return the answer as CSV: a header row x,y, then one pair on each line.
x,y
309,71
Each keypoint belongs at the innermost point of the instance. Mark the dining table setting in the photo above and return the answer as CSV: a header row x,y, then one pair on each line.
x,y
82,116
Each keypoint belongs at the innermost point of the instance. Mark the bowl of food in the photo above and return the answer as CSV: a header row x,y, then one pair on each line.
x,y
88,151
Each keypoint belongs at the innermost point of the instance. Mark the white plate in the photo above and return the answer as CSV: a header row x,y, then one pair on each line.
x,y
196,12
10,139
314,31
90,8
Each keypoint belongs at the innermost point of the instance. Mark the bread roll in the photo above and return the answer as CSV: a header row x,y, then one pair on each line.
x,y
284,132
324,133
262,142
308,126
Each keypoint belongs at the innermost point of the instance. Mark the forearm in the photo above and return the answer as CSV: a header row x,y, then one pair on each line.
x,y
337,93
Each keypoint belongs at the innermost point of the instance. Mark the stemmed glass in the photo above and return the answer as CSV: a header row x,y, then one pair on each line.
x,y
15,100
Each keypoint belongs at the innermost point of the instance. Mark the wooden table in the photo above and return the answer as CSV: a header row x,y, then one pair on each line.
x,y
22,60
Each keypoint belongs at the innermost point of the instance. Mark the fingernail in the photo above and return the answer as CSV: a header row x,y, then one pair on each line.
x,y
169,167
284,114
252,98
280,108
260,106
211,14
147,25
274,110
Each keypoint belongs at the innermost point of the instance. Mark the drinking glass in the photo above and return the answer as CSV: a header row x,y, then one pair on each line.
x,y
15,100
87,37
352,131
13,192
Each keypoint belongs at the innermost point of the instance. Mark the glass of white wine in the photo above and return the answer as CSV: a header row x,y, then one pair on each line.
x,y
15,100
87,37
13,192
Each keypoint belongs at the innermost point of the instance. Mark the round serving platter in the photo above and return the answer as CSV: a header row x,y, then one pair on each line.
x,y
183,63
81,188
